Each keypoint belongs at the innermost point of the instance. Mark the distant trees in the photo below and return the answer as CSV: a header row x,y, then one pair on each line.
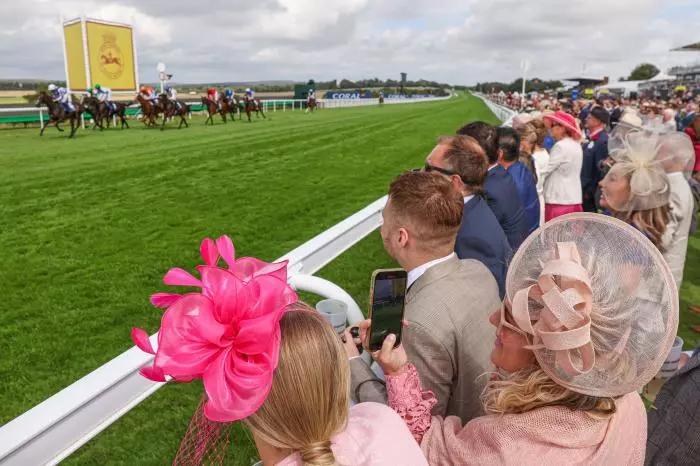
x,y
534,84
643,72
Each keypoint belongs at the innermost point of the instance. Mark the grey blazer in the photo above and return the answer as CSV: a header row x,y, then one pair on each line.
x,y
449,338
674,421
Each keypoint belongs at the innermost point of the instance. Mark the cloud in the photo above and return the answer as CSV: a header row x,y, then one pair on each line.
x,y
453,41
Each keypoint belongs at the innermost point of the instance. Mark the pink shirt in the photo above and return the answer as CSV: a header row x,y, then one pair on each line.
x,y
375,436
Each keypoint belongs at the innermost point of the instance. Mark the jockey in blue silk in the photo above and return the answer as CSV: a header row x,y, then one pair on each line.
x,y
229,93
104,94
172,95
60,95
250,94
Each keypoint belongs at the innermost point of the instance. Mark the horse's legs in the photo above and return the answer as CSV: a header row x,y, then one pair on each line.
x,y
58,127
73,127
43,127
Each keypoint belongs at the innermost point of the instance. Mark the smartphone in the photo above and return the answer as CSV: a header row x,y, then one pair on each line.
x,y
387,298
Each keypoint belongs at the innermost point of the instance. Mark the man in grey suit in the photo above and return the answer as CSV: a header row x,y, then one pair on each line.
x,y
448,302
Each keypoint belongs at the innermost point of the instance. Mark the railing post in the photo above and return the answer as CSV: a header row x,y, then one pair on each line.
x,y
274,105
41,116
82,120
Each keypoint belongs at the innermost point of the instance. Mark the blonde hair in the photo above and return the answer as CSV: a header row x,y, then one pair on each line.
x,y
309,399
651,222
532,388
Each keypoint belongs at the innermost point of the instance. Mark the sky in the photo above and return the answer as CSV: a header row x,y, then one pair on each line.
x,y
454,41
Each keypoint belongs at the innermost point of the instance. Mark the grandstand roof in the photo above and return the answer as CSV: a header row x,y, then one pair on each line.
x,y
586,80
688,48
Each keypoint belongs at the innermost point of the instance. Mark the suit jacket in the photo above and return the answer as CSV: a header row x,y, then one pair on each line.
x,y
449,338
527,191
674,424
480,237
502,197
594,152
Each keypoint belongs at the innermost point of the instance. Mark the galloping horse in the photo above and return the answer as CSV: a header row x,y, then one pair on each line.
x,y
212,109
253,105
228,106
311,105
57,114
171,108
149,109
101,111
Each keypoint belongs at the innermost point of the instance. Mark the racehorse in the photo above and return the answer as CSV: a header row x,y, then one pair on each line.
x,y
171,108
381,100
228,106
311,105
100,111
253,105
57,114
212,109
149,109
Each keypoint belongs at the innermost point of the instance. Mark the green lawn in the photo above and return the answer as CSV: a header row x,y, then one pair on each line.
x,y
89,226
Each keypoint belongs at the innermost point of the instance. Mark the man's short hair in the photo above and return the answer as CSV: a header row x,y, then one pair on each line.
x,y
485,135
467,158
428,205
509,143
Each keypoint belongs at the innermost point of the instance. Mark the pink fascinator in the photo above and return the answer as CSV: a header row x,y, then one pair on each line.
x,y
228,334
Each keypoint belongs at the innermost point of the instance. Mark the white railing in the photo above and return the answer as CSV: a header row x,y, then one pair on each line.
x,y
55,428
273,105
502,112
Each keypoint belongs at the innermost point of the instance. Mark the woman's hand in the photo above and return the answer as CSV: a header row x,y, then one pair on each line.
x,y
392,360
349,344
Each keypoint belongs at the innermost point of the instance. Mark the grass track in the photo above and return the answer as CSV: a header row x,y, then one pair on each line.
x,y
88,227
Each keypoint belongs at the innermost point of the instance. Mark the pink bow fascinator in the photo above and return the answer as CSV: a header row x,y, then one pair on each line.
x,y
228,334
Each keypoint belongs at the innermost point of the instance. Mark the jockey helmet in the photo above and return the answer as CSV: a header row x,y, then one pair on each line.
x,y
168,89
97,86
143,89
88,90
52,87
247,89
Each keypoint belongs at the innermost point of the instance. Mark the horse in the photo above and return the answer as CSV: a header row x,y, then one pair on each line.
x,y
212,109
57,114
253,105
101,111
149,109
171,108
228,106
381,100
311,105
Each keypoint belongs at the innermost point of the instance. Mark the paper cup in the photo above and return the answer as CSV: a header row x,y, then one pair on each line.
x,y
670,366
335,311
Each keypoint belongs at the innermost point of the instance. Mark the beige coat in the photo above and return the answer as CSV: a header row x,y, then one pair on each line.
x,y
675,239
449,338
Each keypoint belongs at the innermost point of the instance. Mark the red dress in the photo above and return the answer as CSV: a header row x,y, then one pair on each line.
x,y
690,131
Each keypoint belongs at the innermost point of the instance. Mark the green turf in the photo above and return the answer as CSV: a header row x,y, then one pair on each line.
x,y
90,225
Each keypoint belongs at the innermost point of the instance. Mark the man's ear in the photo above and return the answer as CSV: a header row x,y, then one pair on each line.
x,y
403,237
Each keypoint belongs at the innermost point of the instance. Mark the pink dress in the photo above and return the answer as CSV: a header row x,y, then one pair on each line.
x,y
374,436
552,435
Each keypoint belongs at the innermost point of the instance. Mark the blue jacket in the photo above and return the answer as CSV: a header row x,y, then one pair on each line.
x,y
527,190
480,237
594,152
502,197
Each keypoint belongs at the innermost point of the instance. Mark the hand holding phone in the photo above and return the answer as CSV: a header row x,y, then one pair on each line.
x,y
387,298
391,359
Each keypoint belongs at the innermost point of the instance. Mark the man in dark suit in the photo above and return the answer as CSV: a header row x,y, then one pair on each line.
x,y
595,150
499,188
480,236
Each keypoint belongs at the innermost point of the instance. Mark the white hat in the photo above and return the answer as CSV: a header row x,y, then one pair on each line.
x,y
52,87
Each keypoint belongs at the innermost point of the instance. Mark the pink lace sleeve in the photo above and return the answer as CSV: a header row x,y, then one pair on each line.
x,y
408,399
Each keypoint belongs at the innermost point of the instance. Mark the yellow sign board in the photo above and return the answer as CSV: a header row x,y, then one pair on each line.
x,y
99,52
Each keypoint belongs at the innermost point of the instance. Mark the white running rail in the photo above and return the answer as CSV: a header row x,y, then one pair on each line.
x,y
503,113
55,428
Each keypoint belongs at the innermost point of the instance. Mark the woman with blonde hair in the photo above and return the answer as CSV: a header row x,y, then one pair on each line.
x,y
269,361
591,312
532,136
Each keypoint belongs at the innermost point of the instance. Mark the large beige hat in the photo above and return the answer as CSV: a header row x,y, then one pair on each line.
x,y
597,301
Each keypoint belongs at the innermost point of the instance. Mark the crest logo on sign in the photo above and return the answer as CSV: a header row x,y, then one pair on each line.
x,y
111,59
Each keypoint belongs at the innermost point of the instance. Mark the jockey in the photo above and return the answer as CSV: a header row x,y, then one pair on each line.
x,y
152,95
172,95
213,95
229,94
310,95
250,94
104,94
60,95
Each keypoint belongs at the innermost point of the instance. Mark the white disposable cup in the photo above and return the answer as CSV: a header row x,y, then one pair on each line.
x,y
335,311
670,366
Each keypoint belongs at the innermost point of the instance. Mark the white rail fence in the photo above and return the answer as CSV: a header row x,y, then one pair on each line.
x,y
55,428
503,113
272,105
58,426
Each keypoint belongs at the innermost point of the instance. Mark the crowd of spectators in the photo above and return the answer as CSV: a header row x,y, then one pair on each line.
x,y
543,265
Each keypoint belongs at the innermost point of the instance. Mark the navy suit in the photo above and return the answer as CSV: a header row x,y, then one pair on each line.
x,y
527,190
481,237
594,152
502,196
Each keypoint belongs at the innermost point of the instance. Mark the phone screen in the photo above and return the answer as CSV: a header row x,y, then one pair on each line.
x,y
388,296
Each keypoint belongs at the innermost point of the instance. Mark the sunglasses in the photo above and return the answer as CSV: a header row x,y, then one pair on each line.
x,y
432,168
505,314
